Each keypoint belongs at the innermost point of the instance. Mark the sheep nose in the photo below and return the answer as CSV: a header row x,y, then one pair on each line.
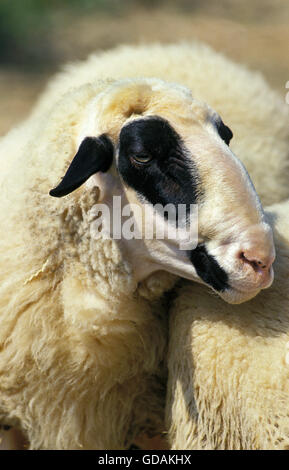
x,y
261,263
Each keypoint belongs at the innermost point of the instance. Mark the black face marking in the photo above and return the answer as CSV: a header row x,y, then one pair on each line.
x,y
153,161
94,154
208,269
224,131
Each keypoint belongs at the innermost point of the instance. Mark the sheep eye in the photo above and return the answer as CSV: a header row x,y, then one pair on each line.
x,y
142,159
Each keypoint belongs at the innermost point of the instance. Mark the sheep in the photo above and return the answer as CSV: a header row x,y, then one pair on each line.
x,y
228,365
83,323
241,97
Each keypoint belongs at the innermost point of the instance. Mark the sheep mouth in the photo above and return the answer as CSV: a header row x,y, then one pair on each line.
x,y
208,269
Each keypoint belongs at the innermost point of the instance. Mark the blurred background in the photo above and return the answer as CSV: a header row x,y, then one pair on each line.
x,y
37,36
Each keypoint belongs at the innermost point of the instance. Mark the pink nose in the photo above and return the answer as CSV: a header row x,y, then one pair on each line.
x,y
260,263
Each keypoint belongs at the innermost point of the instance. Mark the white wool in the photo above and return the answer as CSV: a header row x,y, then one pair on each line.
x,y
228,365
55,384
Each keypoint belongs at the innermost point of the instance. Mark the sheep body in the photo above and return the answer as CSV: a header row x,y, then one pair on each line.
x,y
255,113
228,365
74,307
69,305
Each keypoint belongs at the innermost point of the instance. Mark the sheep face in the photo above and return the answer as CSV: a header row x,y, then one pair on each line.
x,y
151,144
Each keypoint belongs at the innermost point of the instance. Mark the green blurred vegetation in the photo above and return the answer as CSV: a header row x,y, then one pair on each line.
x,y
26,26
30,30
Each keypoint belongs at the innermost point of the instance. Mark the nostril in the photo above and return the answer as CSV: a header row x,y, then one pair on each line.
x,y
256,264
260,263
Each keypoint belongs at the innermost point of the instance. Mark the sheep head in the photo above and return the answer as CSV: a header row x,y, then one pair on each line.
x,y
152,145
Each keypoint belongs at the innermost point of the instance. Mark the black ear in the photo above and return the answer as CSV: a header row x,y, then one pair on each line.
x,y
94,154
224,132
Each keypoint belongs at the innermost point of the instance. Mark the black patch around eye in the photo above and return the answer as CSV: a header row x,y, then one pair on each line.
x,y
208,269
224,132
171,176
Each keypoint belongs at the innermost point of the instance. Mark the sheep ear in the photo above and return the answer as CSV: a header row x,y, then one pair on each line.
x,y
94,154
225,132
